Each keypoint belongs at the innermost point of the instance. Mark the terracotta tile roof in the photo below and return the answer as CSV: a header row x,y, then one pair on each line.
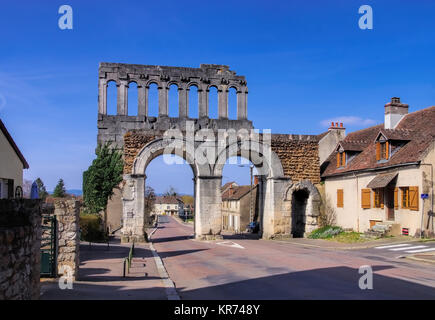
x,y
13,145
227,185
416,129
166,200
236,193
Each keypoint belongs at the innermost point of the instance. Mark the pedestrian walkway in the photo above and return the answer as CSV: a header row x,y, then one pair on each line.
x,y
408,247
101,275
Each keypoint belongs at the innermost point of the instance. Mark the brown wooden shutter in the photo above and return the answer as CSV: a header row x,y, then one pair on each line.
x,y
365,198
413,198
381,197
396,198
339,198
338,160
387,147
378,151
343,163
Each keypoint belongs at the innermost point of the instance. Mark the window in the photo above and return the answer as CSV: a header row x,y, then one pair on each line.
x,y
382,150
340,198
341,159
409,198
379,198
365,198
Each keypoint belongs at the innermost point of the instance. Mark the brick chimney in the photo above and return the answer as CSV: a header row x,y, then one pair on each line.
x,y
394,112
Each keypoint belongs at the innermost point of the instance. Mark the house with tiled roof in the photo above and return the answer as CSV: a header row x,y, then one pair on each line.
x,y
12,164
238,206
167,205
384,174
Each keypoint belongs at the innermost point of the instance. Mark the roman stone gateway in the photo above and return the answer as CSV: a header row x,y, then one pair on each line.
x,y
205,143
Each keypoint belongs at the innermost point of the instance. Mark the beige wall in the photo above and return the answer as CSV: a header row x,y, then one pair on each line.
x,y
163,208
114,210
11,166
357,218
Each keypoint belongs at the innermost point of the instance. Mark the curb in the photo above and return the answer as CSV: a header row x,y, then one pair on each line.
x,y
372,245
420,259
171,291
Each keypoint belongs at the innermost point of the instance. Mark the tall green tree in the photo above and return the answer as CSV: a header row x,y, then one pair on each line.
x,y
59,191
102,176
42,191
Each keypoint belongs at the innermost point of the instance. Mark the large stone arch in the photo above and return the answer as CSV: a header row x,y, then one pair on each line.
x,y
272,181
311,211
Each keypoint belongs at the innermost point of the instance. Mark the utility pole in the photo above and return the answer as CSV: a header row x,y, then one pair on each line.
x,y
251,167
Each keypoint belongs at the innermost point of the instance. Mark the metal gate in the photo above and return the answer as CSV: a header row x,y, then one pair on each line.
x,y
48,246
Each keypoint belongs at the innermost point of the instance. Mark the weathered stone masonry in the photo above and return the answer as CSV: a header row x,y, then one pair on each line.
x,y
20,242
293,165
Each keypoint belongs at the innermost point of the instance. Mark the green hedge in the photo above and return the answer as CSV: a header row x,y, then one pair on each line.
x,y
91,228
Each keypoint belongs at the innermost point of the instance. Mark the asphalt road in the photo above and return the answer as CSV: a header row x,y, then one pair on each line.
x,y
261,269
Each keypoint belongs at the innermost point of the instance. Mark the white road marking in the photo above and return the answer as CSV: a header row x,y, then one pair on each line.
x,y
421,250
230,244
408,248
392,246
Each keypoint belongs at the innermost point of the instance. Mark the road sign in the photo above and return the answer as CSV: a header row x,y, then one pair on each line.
x,y
424,196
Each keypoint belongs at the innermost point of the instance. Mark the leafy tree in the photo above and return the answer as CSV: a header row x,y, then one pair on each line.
x,y
102,176
42,191
59,191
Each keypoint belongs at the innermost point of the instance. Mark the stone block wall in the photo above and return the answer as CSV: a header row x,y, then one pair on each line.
x,y
299,155
20,242
68,214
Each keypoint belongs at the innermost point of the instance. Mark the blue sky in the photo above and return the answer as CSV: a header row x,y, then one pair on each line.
x,y
306,63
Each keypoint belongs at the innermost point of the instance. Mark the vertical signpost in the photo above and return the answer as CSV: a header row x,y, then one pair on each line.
x,y
423,196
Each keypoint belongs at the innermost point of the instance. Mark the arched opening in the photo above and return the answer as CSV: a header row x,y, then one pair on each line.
x,y
232,103
111,98
299,210
132,99
213,103
170,179
240,197
173,100
193,102
153,100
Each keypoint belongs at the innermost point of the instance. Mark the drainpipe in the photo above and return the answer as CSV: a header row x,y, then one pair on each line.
x,y
432,202
357,201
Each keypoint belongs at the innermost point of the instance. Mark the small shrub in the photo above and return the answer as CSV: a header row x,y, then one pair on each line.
x,y
325,232
91,228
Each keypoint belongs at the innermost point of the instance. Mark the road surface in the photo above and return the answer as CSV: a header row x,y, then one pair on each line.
x,y
261,269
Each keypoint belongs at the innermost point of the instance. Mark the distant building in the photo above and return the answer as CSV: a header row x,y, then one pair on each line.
x,y
378,175
236,204
167,205
12,163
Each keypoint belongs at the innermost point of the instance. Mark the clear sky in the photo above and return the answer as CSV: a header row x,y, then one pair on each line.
x,y
306,62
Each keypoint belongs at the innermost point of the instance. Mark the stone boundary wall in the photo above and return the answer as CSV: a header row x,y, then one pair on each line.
x,y
20,242
68,236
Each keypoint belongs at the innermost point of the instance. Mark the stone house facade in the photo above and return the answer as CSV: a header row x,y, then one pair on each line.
x,y
377,175
12,164
237,202
166,205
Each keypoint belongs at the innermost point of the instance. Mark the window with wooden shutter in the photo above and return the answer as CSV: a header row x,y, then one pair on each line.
x,y
405,197
396,198
387,150
340,203
378,151
413,198
378,198
343,159
365,198
338,160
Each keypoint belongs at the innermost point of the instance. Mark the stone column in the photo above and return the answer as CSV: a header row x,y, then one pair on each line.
x,y
102,96
67,213
242,109
208,215
142,97
223,102
163,100
202,101
133,207
183,107
122,101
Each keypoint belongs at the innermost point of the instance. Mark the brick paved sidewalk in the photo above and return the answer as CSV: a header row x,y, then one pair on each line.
x,y
101,275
